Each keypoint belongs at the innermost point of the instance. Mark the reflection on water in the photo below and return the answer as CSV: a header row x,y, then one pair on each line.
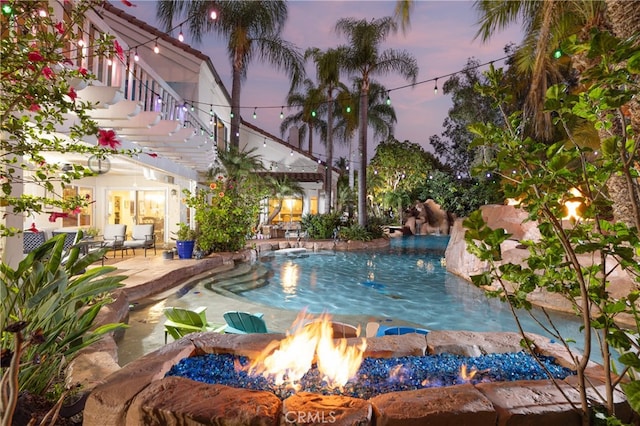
x,y
407,281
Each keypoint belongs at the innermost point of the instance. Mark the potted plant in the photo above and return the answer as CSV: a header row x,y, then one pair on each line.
x,y
185,241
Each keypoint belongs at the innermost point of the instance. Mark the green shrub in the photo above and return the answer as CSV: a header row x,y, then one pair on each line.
x,y
355,233
320,226
47,313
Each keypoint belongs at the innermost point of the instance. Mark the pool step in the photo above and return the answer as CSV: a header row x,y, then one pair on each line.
x,y
242,278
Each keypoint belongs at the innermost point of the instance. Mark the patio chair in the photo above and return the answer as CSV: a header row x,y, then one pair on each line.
x,y
396,331
142,237
69,238
244,322
32,240
182,321
114,236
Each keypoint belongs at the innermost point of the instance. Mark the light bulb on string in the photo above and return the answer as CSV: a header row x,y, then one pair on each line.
x,y
348,109
313,113
231,114
291,153
281,113
255,115
264,142
156,49
180,35
213,14
211,110
435,88
192,108
388,99
135,56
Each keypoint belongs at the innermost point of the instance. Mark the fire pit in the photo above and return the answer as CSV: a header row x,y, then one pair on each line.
x,y
140,393
309,359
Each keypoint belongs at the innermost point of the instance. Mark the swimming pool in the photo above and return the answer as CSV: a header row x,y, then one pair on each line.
x,y
407,281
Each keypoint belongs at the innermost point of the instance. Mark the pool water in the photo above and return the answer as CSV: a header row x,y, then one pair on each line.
x,y
408,281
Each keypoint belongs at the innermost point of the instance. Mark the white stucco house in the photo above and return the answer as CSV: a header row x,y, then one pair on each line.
x,y
173,106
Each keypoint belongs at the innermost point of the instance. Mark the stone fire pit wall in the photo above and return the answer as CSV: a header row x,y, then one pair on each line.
x,y
139,393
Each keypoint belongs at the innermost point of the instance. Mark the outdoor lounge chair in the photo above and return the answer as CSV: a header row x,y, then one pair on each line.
x,y
113,236
142,237
244,322
181,321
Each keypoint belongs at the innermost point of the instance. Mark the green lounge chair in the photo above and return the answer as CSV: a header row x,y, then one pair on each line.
x,y
181,321
244,322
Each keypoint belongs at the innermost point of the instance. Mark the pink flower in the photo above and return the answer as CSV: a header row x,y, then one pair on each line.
x,y
83,71
128,3
47,72
77,210
108,138
34,108
119,50
152,154
59,27
35,56
72,94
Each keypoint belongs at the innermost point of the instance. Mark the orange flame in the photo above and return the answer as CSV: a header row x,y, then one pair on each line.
x,y
467,376
311,341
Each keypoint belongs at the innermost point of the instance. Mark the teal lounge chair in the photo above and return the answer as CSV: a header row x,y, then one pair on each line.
x,y
244,322
181,321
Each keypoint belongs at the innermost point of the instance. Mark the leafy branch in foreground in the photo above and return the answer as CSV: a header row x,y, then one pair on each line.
x,y
577,255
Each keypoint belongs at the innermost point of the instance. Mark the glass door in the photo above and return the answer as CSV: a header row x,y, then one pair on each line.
x,y
138,207
151,210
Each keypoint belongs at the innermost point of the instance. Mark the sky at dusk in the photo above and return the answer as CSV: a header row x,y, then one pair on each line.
x,y
441,38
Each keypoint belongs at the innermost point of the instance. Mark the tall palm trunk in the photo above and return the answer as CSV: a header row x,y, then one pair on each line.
x,y
310,125
362,146
328,173
624,17
235,107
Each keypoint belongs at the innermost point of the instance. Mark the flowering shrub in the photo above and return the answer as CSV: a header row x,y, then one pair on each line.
x,y
225,213
39,84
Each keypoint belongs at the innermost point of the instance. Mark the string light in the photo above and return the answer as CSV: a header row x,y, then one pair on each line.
x,y
211,111
135,56
213,14
388,99
180,35
435,88
291,153
348,109
281,113
264,143
255,115
313,113
156,49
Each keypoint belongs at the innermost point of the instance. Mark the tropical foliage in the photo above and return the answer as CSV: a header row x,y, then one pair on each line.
x,y
461,196
396,171
48,305
320,226
365,60
577,256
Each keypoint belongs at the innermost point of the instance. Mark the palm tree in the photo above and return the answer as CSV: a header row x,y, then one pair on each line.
x,y
381,118
252,28
403,13
328,64
546,24
364,58
624,17
282,187
237,165
307,118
